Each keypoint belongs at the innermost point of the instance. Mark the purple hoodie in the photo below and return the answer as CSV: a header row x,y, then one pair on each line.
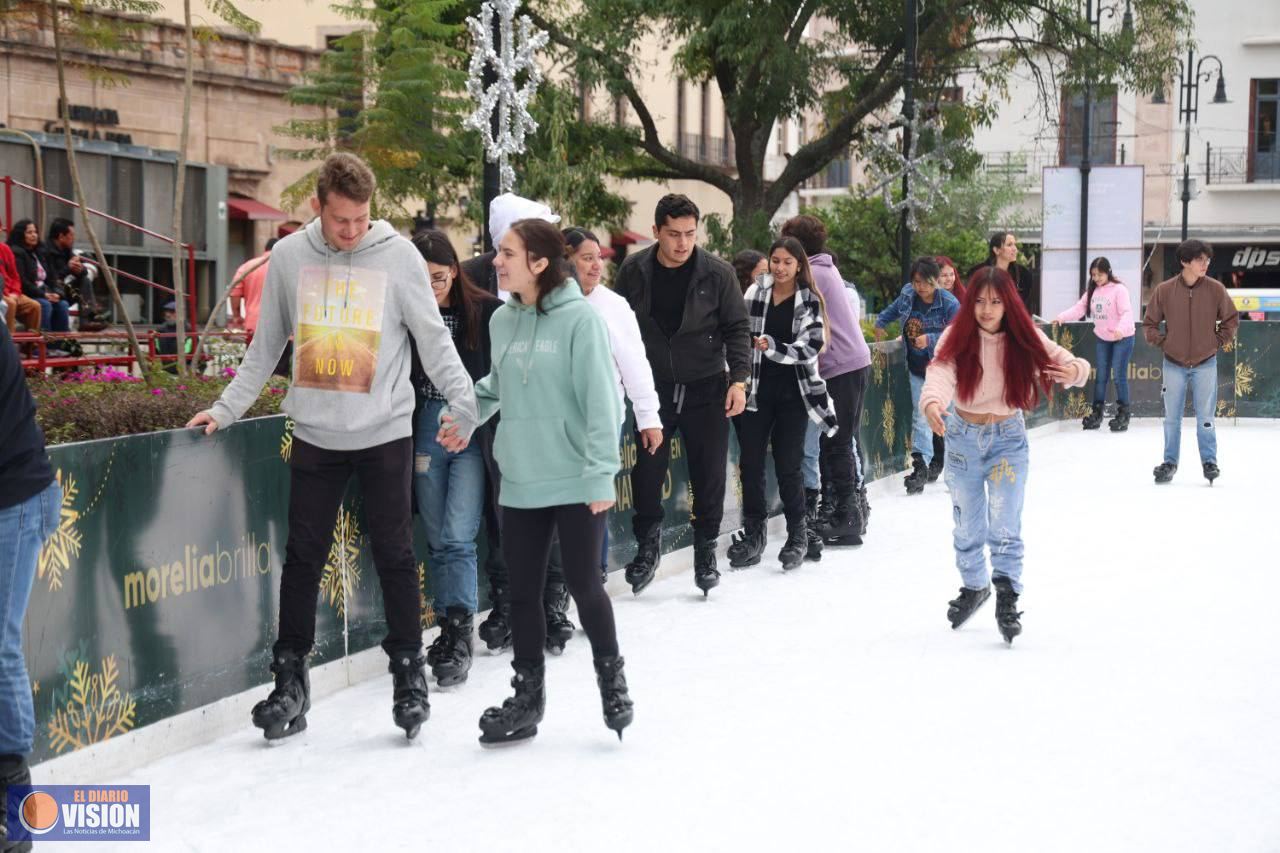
x,y
847,348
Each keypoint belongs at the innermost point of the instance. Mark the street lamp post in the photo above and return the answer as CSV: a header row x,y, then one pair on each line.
x,y
908,112
1190,75
1093,19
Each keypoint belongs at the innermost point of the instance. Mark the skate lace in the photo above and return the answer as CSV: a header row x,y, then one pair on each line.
x,y
443,643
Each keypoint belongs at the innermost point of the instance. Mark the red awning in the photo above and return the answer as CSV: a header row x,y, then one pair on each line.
x,y
246,208
626,238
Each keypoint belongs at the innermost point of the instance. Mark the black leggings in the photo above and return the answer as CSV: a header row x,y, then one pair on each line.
x,y
779,421
847,392
526,543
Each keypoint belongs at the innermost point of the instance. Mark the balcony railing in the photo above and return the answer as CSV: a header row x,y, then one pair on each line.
x,y
837,175
711,150
1240,166
1017,165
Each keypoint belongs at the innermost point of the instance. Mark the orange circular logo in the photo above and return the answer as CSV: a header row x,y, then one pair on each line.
x,y
39,812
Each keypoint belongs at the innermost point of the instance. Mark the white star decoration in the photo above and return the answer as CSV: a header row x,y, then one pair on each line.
x,y
927,190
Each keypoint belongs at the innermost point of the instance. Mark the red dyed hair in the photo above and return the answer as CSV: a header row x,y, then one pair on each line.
x,y
1025,358
957,289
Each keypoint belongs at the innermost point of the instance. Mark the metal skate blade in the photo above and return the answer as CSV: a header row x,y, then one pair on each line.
x,y
499,741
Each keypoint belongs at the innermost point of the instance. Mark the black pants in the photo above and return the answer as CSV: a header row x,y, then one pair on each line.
x,y
697,411
495,564
526,542
780,418
318,478
847,392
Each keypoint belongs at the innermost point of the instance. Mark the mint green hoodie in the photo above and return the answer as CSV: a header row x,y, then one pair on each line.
x,y
552,377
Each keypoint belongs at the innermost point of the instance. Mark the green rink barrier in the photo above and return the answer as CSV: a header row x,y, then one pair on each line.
x,y
159,592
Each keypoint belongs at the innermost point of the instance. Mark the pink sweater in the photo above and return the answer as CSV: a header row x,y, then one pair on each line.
x,y
940,378
1112,312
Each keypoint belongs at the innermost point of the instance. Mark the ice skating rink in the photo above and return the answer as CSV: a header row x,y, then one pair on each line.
x,y
834,708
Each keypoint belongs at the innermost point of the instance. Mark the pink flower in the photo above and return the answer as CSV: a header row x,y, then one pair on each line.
x,y
276,390
157,391
229,372
182,387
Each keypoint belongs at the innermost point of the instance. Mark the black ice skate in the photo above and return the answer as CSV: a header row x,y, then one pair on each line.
x,y
1007,614
284,711
813,539
1094,419
939,457
864,507
846,523
964,606
1120,422
746,551
409,708
1164,472
555,606
495,630
614,698
519,715
450,655
641,570
792,553
918,477
13,771
1211,471
705,574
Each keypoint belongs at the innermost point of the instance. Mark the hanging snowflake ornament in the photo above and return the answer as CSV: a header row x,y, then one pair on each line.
x,y
516,52
926,172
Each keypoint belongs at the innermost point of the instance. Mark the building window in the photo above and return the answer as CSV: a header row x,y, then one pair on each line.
x,y
951,95
781,144
1102,129
584,102
1264,152
619,110
680,114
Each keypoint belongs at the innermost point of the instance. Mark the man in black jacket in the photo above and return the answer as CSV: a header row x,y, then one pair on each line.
x,y
30,502
693,321
69,276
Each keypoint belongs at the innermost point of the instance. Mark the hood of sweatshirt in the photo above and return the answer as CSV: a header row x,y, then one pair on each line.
x,y
527,321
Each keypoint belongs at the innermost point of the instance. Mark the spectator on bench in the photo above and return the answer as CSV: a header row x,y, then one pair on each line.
x,y
69,276
17,306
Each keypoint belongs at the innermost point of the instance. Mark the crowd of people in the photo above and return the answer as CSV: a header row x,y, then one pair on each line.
x,y
44,280
490,394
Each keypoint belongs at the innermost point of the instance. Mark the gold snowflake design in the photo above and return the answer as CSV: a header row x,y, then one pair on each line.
x,y
286,440
886,422
1244,378
878,363
95,710
1229,346
64,545
341,574
428,611
1077,405
1066,340
1003,471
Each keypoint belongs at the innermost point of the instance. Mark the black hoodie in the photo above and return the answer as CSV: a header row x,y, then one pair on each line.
x,y
24,466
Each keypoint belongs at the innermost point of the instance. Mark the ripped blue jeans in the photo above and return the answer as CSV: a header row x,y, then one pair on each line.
x,y
986,473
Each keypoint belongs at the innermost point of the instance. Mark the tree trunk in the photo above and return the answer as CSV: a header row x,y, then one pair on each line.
x,y
107,273
179,190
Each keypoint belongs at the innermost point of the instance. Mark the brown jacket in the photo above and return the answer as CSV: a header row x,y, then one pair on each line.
x,y
1198,319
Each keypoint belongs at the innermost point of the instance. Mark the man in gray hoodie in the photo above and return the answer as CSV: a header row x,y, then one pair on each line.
x,y
350,291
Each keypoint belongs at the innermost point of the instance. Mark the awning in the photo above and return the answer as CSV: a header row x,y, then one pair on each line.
x,y
239,207
626,238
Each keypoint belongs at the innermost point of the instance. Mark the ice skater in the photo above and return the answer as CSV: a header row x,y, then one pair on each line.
x,y
1106,302
993,363
1198,317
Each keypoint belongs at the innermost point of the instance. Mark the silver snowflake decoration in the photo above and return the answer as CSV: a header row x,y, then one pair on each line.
x,y
519,43
927,171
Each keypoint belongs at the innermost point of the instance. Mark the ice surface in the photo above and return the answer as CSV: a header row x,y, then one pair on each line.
x,y
834,708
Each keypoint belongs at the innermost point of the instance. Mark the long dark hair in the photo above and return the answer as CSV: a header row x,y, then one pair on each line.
x,y
18,234
543,240
744,263
435,247
1102,265
996,242
1025,358
804,278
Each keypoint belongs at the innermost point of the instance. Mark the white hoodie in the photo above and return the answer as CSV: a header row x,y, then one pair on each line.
x,y
630,364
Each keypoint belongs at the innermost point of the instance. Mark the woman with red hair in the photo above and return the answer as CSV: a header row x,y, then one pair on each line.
x,y
949,277
994,363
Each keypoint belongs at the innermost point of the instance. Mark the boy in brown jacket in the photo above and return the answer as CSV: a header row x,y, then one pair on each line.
x,y
1198,318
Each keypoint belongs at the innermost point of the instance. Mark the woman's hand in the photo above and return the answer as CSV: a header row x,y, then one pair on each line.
x,y
448,437
1063,374
933,412
598,507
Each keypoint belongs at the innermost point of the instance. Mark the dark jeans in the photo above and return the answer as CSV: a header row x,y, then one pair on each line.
x,y
1113,355
780,418
526,542
54,316
699,416
318,478
847,392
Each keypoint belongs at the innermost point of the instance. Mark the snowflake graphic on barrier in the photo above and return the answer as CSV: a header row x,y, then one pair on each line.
x,y
426,607
926,170
286,440
887,422
93,709
64,545
341,574
515,54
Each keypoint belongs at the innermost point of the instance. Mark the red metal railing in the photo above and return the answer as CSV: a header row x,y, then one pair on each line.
x,y
9,184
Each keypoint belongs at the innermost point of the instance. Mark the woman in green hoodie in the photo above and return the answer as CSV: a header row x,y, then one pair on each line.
x,y
557,448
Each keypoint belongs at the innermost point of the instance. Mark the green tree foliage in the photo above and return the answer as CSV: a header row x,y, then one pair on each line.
x,y
849,71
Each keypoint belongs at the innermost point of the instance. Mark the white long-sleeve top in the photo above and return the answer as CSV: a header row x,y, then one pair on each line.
x,y
630,364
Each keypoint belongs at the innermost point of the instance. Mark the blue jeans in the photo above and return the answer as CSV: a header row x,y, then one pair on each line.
x,y
54,316
1113,355
23,531
1203,380
812,446
987,474
921,435
450,489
